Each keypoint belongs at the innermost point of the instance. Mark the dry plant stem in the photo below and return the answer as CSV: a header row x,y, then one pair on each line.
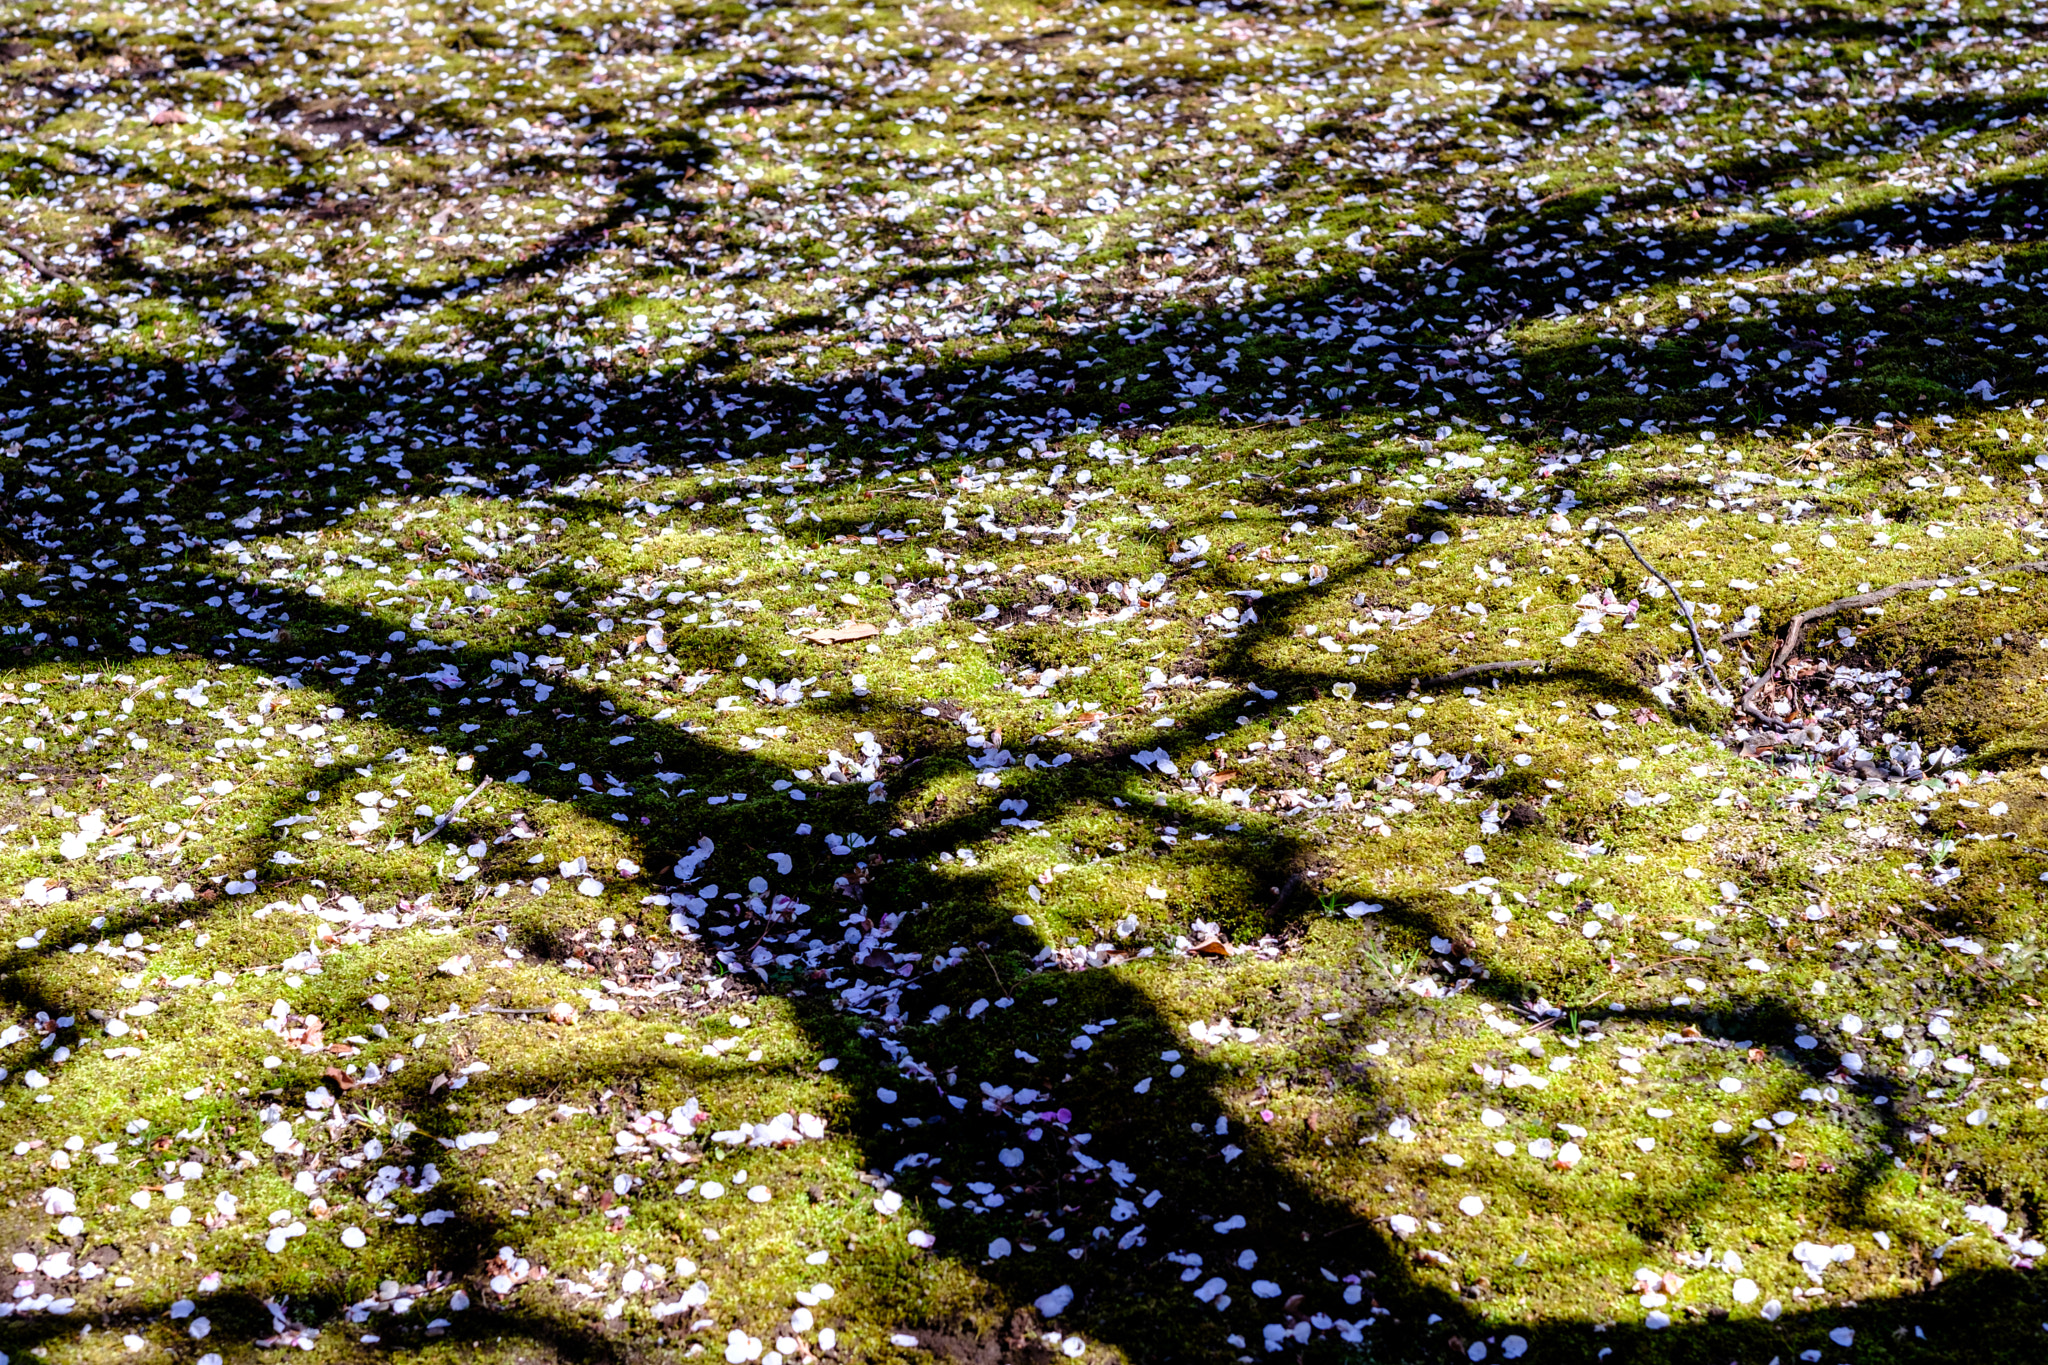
x,y
1402,28
1684,607
441,822
34,262
1458,675
1795,632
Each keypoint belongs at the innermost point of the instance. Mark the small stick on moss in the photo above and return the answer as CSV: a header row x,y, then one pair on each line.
x,y
441,822
1458,675
35,262
1601,528
1796,632
1400,28
1638,971
1001,989
1835,434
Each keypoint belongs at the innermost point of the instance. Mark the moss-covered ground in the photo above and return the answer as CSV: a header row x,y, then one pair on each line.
x,y
464,901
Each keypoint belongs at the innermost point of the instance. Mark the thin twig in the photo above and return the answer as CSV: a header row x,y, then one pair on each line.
x,y
1458,675
1398,28
441,821
1638,971
35,262
1795,632
456,809
998,976
1684,608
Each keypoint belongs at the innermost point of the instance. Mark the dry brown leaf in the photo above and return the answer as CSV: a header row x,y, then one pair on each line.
x,y
1214,947
845,633
163,116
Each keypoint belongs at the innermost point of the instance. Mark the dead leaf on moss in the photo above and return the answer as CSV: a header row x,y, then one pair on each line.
x,y
845,633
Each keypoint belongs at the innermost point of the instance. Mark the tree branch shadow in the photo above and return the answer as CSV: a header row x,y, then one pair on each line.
x,y
1134,1302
